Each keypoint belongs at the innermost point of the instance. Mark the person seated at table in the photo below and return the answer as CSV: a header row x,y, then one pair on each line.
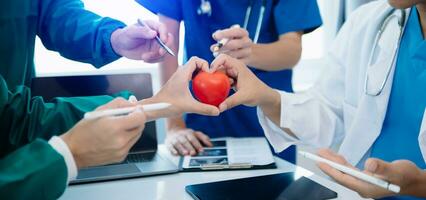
x,y
371,100
32,166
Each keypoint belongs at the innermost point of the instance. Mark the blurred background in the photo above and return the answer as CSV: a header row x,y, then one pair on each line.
x,y
315,44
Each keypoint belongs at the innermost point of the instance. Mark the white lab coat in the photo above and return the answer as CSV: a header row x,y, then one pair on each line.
x,y
337,110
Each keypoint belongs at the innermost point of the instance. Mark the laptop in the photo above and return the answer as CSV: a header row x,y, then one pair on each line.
x,y
143,158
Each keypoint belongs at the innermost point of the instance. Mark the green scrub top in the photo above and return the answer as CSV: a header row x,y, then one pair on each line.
x,y
29,167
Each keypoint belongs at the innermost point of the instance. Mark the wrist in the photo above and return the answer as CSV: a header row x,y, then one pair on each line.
x,y
153,115
252,59
175,124
271,103
271,98
68,141
114,41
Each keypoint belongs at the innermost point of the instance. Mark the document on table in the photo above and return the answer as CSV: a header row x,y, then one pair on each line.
x,y
232,153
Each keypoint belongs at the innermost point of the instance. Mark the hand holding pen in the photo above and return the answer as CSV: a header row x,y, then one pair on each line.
x,y
145,41
234,41
159,41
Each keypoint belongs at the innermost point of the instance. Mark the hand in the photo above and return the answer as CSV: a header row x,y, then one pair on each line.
x,y
138,42
250,91
105,140
186,142
402,173
239,45
176,92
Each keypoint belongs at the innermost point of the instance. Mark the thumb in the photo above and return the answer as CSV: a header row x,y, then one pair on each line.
x,y
204,109
232,101
141,32
379,167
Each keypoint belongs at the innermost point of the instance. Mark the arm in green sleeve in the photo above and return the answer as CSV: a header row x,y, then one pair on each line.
x,y
34,171
78,34
24,118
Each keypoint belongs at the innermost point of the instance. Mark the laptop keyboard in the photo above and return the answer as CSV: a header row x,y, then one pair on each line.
x,y
137,158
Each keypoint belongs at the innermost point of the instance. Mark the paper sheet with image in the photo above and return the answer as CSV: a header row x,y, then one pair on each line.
x,y
232,152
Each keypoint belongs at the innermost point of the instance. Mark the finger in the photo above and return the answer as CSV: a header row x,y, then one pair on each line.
x,y
196,63
330,155
180,148
203,109
344,179
172,149
187,145
140,32
118,102
236,44
150,57
194,142
233,32
232,101
224,61
130,121
380,167
160,28
204,138
161,59
240,53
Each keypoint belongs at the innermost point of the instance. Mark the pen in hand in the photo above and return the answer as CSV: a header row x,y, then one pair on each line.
x,y
168,50
222,42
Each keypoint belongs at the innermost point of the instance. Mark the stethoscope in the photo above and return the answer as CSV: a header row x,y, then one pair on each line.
x,y
401,23
206,9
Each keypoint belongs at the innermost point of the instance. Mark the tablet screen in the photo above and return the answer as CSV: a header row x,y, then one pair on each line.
x,y
283,186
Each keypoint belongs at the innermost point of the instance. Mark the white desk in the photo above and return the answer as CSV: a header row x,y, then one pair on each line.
x,y
170,187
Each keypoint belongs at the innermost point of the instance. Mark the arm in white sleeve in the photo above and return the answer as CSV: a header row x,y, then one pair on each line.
x,y
315,117
62,148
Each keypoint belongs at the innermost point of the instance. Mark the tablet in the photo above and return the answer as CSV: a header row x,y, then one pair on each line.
x,y
285,186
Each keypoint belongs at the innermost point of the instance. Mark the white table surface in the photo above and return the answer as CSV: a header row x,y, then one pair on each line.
x,y
172,186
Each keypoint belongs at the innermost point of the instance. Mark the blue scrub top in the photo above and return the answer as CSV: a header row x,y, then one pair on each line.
x,y
281,17
399,137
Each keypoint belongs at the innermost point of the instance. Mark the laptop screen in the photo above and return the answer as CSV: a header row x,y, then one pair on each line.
x,y
92,85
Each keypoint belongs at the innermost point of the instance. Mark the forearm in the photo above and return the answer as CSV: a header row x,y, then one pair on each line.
x,y
170,63
78,34
280,55
271,108
167,68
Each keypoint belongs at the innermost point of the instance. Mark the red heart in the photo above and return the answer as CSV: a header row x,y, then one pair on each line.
x,y
211,88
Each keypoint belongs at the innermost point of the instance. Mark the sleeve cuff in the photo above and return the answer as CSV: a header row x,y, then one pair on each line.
x,y
278,138
62,148
107,53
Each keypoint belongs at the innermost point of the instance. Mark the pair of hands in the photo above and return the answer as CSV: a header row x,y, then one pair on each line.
x,y
403,173
109,139
250,91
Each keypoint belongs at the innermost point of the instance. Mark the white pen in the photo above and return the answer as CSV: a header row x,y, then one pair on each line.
x,y
357,174
125,111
